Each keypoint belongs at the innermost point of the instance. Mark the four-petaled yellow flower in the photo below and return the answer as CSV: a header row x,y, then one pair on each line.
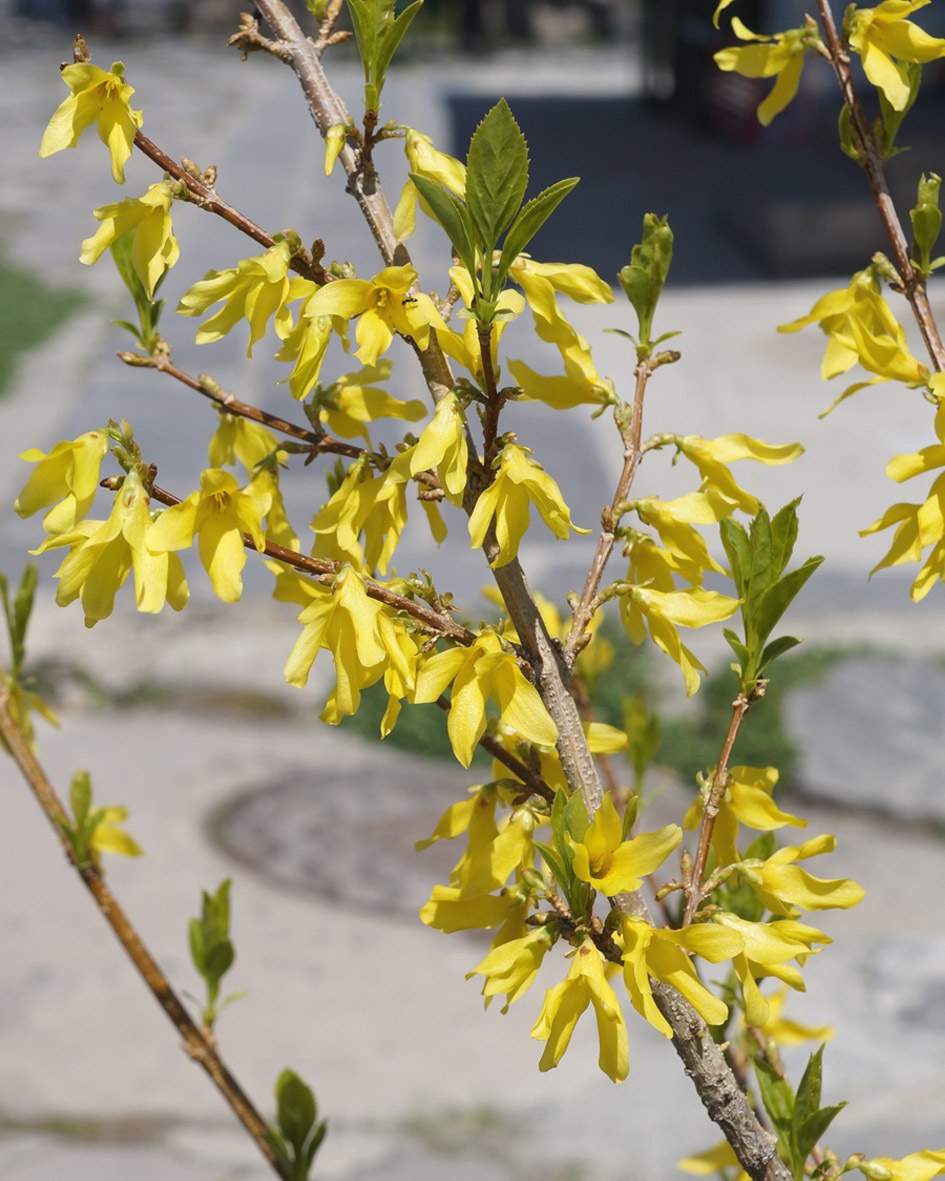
x,y
477,673
257,289
785,888
103,553
154,247
781,56
653,953
68,474
917,1166
218,514
511,967
585,984
383,307
98,97
614,865
354,400
711,457
424,159
883,38
746,800
442,446
520,481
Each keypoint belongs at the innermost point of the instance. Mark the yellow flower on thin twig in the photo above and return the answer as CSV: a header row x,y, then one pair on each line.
x,y
154,248
97,97
883,38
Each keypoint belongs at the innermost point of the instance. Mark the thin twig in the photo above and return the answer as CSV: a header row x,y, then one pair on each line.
x,y
197,1045
321,568
740,707
871,161
531,779
209,199
632,437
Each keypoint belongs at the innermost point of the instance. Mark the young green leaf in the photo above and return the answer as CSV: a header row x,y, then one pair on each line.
x,y
496,174
783,536
80,798
643,278
296,1111
738,551
392,37
453,216
532,217
777,1097
780,596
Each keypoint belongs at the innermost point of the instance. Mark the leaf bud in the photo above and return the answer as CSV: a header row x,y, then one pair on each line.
x,y
334,142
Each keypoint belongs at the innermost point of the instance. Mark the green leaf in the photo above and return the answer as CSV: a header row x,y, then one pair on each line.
x,y
814,1127
927,217
296,1110
777,1097
780,596
80,797
453,216
737,550
783,536
532,217
643,730
808,1089
576,822
737,647
761,848
644,277
762,567
197,947
556,863
280,1150
219,960
314,1144
496,174
22,607
775,649
391,39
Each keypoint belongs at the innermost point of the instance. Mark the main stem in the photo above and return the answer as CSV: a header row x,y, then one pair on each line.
x,y
725,1102
196,1043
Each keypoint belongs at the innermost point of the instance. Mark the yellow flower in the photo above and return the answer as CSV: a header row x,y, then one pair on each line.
x,y
68,474
917,1166
383,307
377,505
880,35
466,347
218,515
520,480
586,984
239,438
447,911
673,520
306,345
651,953
511,967
746,800
423,158
443,447
103,553
920,525
711,456
350,403
643,608
767,948
97,97
722,1156
614,865
477,673
154,248
781,55
107,837
785,1032
784,887
20,703
257,289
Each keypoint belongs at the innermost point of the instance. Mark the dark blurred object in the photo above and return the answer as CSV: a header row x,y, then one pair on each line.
x,y
481,24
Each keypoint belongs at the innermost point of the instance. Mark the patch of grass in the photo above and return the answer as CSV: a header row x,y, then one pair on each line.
x,y
30,312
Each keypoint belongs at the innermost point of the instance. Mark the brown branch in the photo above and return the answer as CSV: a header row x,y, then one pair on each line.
x,y
202,384
324,568
530,779
208,198
694,895
197,1044
577,637
872,163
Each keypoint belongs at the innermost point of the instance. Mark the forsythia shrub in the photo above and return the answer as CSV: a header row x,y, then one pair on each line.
x,y
552,863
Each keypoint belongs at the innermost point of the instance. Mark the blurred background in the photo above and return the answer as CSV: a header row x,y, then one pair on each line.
x,y
186,719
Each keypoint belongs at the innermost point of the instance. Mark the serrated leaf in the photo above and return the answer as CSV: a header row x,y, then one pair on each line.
x,y
496,174
762,570
454,218
391,39
80,797
776,1095
783,536
780,596
532,217
775,649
